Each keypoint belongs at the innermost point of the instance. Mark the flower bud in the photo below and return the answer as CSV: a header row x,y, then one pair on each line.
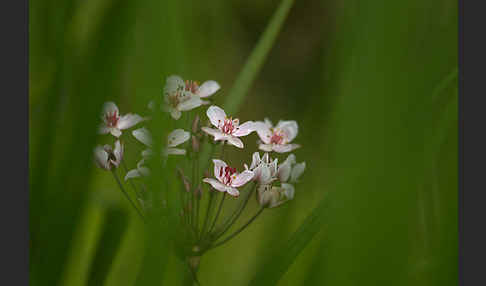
x,y
185,181
198,192
195,124
195,144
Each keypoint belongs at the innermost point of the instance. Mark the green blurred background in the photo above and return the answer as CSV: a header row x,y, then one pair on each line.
x,y
372,84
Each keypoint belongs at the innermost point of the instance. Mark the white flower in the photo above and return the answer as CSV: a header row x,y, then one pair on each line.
x,y
277,138
228,180
107,158
141,170
113,122
183,96
175,138
290,170
265,169
228,129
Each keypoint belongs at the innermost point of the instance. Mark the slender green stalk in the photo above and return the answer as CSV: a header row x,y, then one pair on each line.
x,y
239,230
134,187
127,196
257,58
212,194
227,225
217,214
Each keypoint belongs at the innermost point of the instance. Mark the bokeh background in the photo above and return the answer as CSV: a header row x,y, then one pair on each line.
x,y
372,84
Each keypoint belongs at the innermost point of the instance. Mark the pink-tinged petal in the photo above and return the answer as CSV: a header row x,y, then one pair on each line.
x,y
177,137
263,131
189,104
115,132
103,129
101,158
235,141
110,108
284,148
143,135
255,160
297,171
244,129
118,152
219,165
290,128
268,122
208,88
215,184
265,147
284,171
175,151
216,133
242,178
176,114
232,191
216,115
205,102
128,120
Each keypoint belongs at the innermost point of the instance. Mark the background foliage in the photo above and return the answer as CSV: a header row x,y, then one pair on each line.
x,y
373,85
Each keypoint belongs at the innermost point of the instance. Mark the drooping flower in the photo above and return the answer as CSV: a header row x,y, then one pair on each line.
x,y
141,170
227,128
180,95
265,169
107,157
227,178
277,138
113,122
175,138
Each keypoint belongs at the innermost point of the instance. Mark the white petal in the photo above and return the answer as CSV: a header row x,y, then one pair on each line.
x,y
175,151
284,171
115,132
216,184
263,131
284,148
235,141
232,191
218,135
147,153
266,158
103,129
144,171
208,88
242,178
173,83
110,108
191,103
297,171
132,174
265,147
177,137
143,135
128,120
118,152
244,129
219,166
101,158
216,115
288,191
268,122
263,174
290,128
255,160
273,167
176,114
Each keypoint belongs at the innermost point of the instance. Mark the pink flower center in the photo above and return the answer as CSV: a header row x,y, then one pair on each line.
x,y
111,119
225,173
277,137
192,86
228,126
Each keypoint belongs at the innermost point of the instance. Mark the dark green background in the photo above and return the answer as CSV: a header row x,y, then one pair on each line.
x,y
372,84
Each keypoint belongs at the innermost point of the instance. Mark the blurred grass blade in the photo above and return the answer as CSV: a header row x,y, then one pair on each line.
x,y
114,227
285,255
256,59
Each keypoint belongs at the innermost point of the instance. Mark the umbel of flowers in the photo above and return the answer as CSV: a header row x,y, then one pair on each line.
x,y
204,187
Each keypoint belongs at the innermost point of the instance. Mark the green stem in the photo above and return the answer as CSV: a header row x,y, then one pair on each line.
x,y
217,214
127,196
239,230
212,194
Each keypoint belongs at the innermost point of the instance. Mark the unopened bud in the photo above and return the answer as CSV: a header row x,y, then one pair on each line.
x,y
198,192
206,174
185,181
195,144
195,124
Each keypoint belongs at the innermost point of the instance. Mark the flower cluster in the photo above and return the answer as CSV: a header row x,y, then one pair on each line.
x,y
274,183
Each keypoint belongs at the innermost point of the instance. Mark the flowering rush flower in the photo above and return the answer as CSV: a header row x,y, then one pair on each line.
x,y
277,138
113,122
265,169
175,138
107,158
227,178
180,95
141,170
227,129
